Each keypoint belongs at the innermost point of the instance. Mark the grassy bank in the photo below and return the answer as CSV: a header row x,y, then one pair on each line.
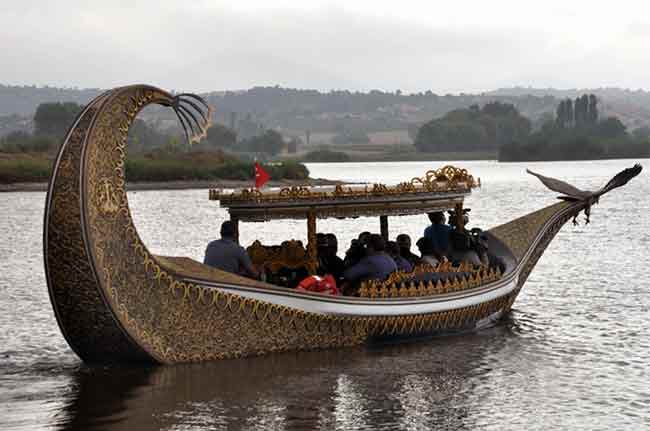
x,y
214,166
24,169
139,169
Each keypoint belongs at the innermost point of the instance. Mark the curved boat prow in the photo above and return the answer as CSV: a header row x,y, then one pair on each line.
x,y
528,237
89,238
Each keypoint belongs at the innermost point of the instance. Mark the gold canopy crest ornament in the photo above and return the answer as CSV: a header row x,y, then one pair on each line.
x,y
449,175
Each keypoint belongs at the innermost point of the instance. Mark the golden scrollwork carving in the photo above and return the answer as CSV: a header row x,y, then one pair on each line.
x,y
252,194
447,177
406,284
108,199
295,192
290,254
339,191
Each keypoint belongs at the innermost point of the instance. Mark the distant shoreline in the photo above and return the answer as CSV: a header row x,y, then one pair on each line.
x,y
179,185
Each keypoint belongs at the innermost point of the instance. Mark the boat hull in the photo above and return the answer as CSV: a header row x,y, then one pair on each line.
x,y
117,302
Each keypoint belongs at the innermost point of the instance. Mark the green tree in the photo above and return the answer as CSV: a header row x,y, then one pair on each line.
x,y
611,127
351,137
294,144
270,142
220,136
581,110
54,119
641,133
569,114
473,129
23,142
144,137
562,114
593,109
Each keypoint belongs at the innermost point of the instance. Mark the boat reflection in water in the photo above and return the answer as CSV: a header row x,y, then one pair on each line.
x,y
353,388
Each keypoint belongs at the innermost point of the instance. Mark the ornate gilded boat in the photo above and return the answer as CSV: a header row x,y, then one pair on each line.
x,y
116,302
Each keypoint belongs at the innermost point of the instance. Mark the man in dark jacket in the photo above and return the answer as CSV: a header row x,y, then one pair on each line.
x,y
225,254
328,260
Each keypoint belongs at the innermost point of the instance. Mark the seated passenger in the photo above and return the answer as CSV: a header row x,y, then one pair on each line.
x,y
376,265
394,252
321,244
461,250
404,244
227,255
354,254
329,262
364,237
438,233
429,254
480,245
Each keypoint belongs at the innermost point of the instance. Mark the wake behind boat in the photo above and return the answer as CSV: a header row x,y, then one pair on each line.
x,y
116,302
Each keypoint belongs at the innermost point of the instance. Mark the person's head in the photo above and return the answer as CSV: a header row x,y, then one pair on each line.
x,y
321,243
437,217
228,230
425,245
404,242
392,249
332,243
376,244
364,237
355,253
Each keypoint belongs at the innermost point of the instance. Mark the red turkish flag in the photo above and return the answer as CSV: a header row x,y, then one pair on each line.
x,y
261,176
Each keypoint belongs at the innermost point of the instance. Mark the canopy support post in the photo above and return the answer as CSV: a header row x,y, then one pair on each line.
x,y
383,226
460,217
312,250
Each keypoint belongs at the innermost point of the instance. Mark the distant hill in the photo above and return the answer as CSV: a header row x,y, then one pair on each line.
x,y
23,100
295,111
298,110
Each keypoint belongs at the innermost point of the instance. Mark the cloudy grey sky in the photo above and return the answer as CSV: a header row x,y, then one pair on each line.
x,y
450,46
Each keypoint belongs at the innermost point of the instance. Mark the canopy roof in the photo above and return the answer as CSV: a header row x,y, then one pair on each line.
x,y
438,190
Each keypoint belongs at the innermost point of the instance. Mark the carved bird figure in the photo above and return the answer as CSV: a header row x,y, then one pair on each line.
x,y
573,194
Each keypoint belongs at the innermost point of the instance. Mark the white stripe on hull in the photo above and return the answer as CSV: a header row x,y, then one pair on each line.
x,y
315,303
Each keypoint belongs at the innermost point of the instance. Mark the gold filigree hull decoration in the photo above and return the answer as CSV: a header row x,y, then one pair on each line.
x,y
115,301
406,284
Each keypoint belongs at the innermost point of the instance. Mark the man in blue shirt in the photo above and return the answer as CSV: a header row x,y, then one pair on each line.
x,y
376,265
438,232
225,254
394,251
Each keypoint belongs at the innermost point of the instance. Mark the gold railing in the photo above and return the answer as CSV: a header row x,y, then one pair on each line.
x,y
402,284
445,179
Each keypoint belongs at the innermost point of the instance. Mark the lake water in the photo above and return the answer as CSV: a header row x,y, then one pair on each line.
x,y
573,354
